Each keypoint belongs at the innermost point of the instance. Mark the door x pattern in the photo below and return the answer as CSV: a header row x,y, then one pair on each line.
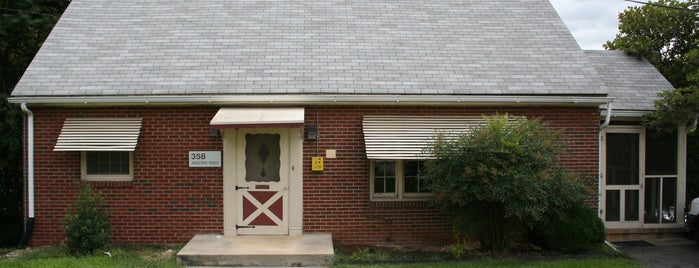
x,y
263,208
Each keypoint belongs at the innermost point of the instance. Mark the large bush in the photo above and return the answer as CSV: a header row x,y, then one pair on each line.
x,y
501,179
575,229
87,226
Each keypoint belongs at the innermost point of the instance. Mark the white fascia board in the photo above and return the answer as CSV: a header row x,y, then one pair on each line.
x,y
624,114
271,99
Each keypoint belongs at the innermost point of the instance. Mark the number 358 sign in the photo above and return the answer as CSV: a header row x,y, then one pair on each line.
x,y
204,158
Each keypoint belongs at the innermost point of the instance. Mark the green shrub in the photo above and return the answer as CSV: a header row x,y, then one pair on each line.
x,y
87,226
501,179
572,230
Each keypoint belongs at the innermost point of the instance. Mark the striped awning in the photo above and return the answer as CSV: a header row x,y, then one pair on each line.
x,y
99,134
407,137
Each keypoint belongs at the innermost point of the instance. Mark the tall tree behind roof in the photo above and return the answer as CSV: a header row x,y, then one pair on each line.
x,y
664,32
24,24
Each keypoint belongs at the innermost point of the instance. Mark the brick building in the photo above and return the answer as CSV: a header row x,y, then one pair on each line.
x,y
214,116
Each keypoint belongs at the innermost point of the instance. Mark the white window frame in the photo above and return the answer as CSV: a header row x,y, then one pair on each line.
x,y
400,194
104,177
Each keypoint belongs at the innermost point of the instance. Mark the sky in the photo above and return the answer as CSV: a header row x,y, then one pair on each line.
x,y
592,22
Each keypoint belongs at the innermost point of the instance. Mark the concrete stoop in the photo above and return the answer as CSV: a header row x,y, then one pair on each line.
x,y
308,250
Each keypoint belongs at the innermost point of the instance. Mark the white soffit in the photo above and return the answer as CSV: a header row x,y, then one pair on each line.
x,y
99,134
406,137
258,117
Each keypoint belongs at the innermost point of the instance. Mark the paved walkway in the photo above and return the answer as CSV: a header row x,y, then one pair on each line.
x,y
667,252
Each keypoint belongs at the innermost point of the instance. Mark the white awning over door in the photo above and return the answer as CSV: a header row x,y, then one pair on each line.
x,y
246,117
406,137
99,134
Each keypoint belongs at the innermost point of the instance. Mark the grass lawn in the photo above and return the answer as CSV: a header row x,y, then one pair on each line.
x,y
600,256
122,256
164,256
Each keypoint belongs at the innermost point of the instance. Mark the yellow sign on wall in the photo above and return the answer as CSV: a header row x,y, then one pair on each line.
x,y
317,164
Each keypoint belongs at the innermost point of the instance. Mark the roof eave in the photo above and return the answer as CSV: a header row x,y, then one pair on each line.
x,y
301,99
625,115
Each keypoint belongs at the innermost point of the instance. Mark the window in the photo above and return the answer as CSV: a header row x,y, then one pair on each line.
x,y
107,166
398,179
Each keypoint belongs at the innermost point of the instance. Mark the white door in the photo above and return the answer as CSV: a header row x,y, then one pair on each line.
x,y
623,166
262,182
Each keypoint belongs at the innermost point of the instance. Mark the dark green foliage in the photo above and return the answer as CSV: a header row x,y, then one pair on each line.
x,y
679,107
501,180
11,214
572,230
87,226
24,24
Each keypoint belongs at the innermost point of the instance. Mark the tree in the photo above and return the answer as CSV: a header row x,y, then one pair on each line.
x,y
24,24
501,180
665,32
665,36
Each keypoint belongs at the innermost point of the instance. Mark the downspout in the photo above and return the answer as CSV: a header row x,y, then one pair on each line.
x,y
607,119
29,228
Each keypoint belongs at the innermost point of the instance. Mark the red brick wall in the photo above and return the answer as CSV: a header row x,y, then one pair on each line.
x,y
168,202
337,200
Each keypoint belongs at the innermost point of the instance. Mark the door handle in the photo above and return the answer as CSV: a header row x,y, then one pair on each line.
x,y
241,188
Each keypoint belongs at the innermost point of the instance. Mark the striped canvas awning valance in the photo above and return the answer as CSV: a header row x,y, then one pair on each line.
x,y
250,117
99,134
406,137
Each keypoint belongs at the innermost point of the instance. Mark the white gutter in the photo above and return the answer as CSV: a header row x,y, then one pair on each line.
x,y
29,224
600,141
607,118
30,158
300,99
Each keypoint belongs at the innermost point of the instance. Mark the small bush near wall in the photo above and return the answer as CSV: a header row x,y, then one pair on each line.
x,y
87,225
573,230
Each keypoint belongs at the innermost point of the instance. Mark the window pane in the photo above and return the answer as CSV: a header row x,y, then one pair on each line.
x,y
613,202
262,157
92,162
410,172
661,153
622,158
107,163
415,182
411,185
390,185
632,202
652,201
390,169
669,200
379,185
384,177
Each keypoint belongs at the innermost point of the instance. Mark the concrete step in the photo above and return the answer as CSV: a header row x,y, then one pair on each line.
x,y
308,250
630,234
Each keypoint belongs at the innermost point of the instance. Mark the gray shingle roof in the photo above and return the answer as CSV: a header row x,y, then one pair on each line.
x,y
161,47
632,81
